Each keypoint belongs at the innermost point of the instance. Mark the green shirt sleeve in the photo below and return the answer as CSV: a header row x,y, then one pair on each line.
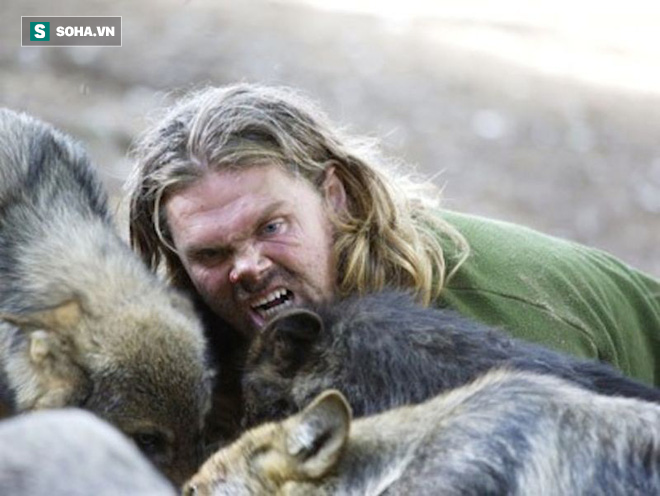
x,y
557,293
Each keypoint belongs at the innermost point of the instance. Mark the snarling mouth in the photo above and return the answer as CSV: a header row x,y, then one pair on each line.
x,y
273,303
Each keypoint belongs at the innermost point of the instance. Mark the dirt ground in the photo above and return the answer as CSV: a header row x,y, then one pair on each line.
x,y
564,154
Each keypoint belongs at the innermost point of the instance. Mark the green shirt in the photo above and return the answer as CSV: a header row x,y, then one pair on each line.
x,y
557,293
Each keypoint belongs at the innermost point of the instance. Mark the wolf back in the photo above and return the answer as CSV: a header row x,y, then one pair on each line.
x,y
383,350
507,433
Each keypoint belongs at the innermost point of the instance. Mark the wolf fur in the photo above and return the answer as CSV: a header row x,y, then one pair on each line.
x,y
382,351
70,452
508,433
82,321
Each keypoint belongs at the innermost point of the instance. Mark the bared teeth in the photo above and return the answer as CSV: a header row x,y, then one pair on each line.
x,y
273,303
278,293
268,313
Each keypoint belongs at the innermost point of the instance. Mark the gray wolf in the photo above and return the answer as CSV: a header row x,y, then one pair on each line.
x,y
82,321
383,350
70,452
508,433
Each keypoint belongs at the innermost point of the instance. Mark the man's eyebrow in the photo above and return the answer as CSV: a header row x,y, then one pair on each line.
x,y
195,251
268,211
224,248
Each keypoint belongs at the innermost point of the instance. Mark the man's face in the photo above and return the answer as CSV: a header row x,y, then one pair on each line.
x,y
254,242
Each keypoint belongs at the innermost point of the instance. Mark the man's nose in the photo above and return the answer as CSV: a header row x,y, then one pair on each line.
x,y
249,265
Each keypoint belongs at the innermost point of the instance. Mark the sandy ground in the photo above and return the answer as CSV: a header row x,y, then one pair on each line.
x,y
519,114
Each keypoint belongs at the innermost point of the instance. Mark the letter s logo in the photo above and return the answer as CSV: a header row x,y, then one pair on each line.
x,y
39,31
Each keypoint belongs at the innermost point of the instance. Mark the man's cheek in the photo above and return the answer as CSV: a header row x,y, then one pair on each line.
x,y
214,283
201,278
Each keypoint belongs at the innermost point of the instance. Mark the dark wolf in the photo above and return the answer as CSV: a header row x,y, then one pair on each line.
x,y
382,351
82,321
70,452
508,433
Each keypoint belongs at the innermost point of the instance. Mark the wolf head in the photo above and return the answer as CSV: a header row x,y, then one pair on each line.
x,y
287,365
141,366
85,323
47,444
294,456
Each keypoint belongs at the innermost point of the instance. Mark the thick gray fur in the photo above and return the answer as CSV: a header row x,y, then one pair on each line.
x,y
70,452
508,433
383,350
82,321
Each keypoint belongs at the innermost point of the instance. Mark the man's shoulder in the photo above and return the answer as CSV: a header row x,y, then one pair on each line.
x,y
506,250
505,253
534,284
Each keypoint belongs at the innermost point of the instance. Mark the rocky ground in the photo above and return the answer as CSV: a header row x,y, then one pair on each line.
x,y
552,147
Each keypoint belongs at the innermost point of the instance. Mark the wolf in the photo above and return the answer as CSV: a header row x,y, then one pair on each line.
x,y
382,350
82,321
507,433
71,452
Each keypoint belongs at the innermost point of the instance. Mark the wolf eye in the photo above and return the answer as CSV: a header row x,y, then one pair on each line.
x,y
150,443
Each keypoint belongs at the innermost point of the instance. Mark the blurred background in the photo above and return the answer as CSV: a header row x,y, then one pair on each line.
x,y
541,113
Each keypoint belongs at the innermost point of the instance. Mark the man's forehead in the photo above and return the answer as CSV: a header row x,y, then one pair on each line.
x,y
229,203
224,222
230,187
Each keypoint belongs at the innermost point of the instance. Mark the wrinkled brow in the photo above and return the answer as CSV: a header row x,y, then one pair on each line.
x,y
224,247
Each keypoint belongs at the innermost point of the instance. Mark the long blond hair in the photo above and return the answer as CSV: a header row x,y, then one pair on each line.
x,y
389,235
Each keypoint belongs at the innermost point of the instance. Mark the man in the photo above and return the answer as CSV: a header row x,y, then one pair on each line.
x,y
254,201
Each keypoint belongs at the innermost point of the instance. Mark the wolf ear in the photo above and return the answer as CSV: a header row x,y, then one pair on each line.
x,y
58,319
57,380
61,381
290,336
316,437
298,324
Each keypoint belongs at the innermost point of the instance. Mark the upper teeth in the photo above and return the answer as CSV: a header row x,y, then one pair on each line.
x,y
278,293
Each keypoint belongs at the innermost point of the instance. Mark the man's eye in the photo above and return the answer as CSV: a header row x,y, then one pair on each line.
x,y
209,255
272,227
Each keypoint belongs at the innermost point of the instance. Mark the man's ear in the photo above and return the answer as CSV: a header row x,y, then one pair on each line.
x,y
333,190
316,437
